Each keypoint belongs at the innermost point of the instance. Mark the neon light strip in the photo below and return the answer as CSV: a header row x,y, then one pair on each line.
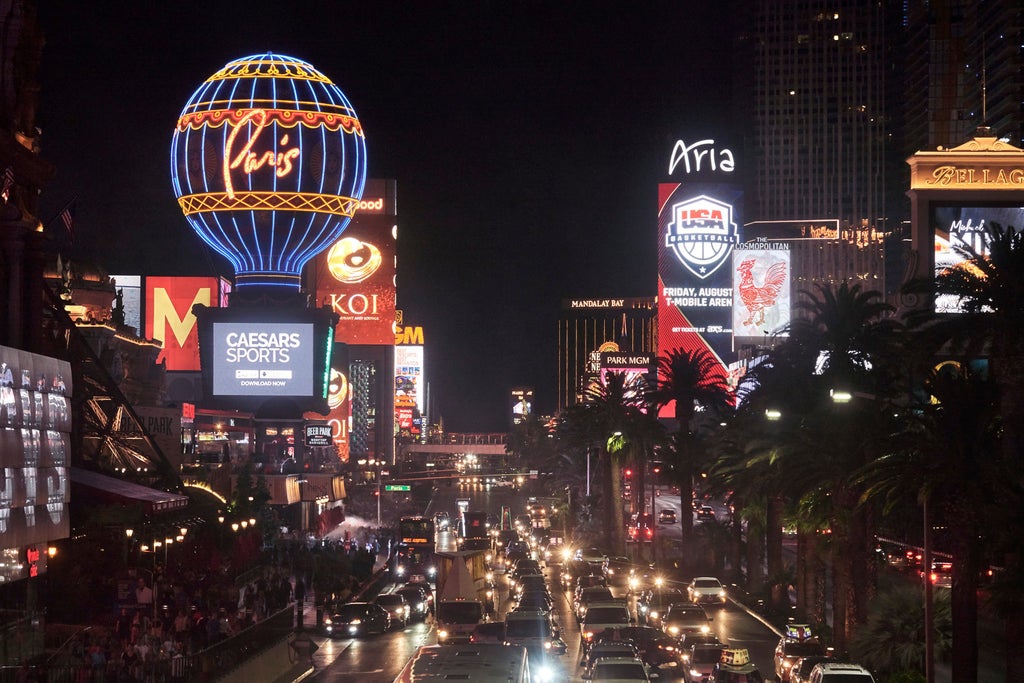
x,y
268,201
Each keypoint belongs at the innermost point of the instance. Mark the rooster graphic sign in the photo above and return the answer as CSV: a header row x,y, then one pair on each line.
x,y
761,289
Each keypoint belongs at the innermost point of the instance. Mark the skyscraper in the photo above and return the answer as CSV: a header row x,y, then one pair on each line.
x,y
818,117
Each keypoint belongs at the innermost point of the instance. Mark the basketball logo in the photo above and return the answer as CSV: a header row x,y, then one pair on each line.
x,y
702,234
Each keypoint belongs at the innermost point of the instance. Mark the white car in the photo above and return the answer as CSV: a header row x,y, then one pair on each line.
x,y
706,589
618,670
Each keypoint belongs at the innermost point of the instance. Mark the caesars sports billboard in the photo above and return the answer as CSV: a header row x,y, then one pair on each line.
x,y
250,355
169,317
355,277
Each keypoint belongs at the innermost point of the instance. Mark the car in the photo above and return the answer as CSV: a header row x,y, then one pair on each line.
x,y
705,513
534,630
587,581
488,632
700,661
801,671
609,648
396,606
618,670
651,605
590,556
531,582
616,570
797,641
941,575
418,601
667,516
659,651
600,616
735,667
834,672
357,619
534,599
706,589
441,521
643,578
641,529
589,595
683,618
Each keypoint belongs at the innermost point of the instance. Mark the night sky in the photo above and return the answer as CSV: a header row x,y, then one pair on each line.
x,y
527,139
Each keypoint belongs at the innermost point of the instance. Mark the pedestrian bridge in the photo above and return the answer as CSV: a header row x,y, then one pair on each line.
x,y
462,443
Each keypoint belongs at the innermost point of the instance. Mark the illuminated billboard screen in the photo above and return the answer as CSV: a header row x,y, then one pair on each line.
x,y
169,317
262,359
522,404
961,227
251,355
35,440
638,369
762,274
339,404
408,386
355,277
699,224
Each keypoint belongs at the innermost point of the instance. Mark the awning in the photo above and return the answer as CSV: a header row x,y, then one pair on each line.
x,y
114,490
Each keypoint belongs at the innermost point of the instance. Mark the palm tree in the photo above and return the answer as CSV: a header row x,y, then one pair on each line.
x,y
690,379
850,340
989,286
943,458
607,419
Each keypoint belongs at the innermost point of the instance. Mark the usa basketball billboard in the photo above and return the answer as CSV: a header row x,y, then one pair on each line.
x,y
698,228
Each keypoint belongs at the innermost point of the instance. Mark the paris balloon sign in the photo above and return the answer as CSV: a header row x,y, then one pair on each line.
x,y
268,162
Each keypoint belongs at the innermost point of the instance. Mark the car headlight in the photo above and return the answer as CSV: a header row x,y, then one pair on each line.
x,y
611,572
545,674
442,634
431,571
489,576
695,673
721,594
356,622
421,606
705,629
674,630
588,635
547,644
654,615
399,570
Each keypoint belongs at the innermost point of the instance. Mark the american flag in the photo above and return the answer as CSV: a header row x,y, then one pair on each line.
x,y
67,217
8,182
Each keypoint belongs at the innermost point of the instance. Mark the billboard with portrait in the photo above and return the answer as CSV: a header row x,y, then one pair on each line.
x,y
522,404
169,317
762,276
699,225
959,227
355,277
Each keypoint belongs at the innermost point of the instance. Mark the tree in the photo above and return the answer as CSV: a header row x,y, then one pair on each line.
x,y
609,420
842,342
989,287
691,380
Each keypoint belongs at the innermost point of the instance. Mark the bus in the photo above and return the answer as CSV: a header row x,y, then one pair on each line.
x,y
473,531
477,662
414,554
416,531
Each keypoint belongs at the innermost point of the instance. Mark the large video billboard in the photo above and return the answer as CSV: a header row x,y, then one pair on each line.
x,y
522,404
355,277
409,394
35,440
169,317
962,227
762,277
250,355
699,224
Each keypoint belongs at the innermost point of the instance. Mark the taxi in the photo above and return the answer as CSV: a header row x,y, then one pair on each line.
x,y
798,641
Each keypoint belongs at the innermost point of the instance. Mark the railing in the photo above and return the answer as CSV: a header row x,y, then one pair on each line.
x,y
469,439
208,665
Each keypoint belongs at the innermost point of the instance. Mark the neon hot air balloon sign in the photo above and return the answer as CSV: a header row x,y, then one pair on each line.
x,y
268,162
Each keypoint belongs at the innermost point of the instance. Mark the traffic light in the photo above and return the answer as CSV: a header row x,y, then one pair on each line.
x,y
629,473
